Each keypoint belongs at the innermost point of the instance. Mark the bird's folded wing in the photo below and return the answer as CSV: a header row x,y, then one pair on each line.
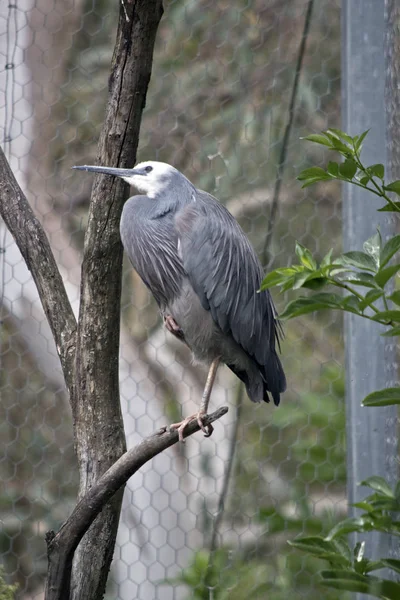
x,y
226,274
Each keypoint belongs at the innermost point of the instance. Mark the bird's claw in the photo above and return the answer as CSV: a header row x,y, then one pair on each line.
x,y
206,429
180,427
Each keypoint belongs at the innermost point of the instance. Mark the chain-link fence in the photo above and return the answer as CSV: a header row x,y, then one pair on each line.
x,y
217,109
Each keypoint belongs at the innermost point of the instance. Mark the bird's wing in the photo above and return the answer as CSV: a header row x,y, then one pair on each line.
x,y
225,272
151,244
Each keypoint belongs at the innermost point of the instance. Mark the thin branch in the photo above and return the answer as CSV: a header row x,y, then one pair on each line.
x,y
288,129
225,484
61,546
35,249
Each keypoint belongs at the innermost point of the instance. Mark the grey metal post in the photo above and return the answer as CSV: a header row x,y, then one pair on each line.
x,y
370,358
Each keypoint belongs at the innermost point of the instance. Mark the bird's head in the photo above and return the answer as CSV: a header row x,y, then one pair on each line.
x,y
151,177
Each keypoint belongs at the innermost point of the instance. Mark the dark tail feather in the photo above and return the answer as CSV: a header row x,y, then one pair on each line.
x,y
274,378
255,393
271,379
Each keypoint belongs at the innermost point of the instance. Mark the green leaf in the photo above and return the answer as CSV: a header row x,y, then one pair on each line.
x,y
341,134
384,397
333,169
358,140
375,482
373,247
395,297
348,168
305,257
338,144
344,527
364,180
300,279
373,565
317,546
390,207
393,187
327,260
362,260
305,305
365,279
392,332
366,584
391,563
383,275
318,139
370,298
312,181
316,173
390,249
351,303
277,277
377,170
387,315
364,506
315,283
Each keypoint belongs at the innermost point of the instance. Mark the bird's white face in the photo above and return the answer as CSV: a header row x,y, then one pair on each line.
x,y
151,177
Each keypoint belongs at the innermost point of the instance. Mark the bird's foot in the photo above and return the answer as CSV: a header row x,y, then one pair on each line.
x,y
172,326
180,427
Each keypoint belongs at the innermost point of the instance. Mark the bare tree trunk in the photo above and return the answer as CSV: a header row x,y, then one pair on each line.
x,y
95,402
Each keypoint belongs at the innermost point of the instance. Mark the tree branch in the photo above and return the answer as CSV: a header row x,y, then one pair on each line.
x,y
61,546
35,248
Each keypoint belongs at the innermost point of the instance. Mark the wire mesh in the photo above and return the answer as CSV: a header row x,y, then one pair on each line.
x,y
217,108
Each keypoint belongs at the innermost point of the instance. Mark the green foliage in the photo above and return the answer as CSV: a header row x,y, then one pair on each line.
x,y
367,269
364,275
350,569
7,592
234,577
227,577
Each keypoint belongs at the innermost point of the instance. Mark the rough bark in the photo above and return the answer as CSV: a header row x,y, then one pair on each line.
x,y
96,408
61,546
35,248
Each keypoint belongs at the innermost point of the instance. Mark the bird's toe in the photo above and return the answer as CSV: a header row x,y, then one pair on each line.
x,y
180,427
206,429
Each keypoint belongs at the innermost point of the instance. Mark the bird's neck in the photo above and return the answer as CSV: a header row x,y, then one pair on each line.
x,y
172,199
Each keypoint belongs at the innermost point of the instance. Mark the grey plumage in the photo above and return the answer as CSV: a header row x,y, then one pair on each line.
x,y
203,272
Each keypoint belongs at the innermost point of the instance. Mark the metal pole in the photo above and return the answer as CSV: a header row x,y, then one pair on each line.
x,y
370,358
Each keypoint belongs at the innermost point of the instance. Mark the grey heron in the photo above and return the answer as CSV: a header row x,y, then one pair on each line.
x,y
204,274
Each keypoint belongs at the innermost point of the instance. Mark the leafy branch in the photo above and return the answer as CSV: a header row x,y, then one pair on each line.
x,y
350,569
365,276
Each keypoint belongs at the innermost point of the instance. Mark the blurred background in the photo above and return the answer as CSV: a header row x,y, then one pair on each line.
x,y
217,109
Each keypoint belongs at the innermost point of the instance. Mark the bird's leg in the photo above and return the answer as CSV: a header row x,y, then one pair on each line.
x,y
208,429
205,400
172,326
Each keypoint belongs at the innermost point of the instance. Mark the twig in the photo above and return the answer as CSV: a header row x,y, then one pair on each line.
x,y
62,545
225,484
35,249
288,129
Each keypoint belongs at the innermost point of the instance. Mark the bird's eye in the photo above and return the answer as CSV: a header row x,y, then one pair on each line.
x,y
148,169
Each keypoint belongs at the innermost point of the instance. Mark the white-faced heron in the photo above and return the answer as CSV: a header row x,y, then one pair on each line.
x,y
204,274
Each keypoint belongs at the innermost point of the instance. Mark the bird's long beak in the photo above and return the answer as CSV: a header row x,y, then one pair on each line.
x,y
107,170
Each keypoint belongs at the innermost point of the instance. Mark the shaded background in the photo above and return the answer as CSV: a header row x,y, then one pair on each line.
x,y
217,108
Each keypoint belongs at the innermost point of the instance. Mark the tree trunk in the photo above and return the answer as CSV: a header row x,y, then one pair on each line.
x,y
95,401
